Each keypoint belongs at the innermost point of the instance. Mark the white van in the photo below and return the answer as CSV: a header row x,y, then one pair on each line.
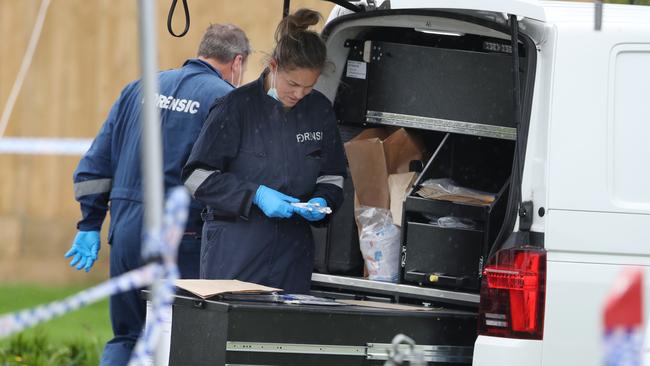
x,y
577,190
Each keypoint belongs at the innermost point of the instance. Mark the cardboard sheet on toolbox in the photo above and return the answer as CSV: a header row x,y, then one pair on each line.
x,y
209,288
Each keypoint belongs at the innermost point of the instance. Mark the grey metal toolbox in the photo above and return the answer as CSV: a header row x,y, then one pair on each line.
x,y
219,332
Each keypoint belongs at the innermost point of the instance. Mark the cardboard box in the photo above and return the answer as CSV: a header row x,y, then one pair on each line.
x,y
398,185
375,154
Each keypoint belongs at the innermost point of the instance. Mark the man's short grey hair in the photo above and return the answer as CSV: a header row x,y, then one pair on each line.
x,y
223,42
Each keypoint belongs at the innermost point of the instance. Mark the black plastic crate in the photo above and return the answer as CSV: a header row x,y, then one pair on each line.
x,y
336,245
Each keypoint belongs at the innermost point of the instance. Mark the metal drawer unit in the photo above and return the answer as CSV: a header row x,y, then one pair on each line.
x,y
450,257
206,332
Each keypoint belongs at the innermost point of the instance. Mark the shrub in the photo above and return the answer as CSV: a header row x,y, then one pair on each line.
x,y
37,350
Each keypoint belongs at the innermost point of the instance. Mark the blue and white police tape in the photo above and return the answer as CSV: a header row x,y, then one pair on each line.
x,y
166,242
144,349
16,322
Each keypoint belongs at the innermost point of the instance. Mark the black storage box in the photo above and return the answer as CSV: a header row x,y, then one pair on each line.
x,y
336,245
431,88
450,256
213,333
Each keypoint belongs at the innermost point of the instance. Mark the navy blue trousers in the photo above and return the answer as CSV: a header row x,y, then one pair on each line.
x,y
271,252
128,309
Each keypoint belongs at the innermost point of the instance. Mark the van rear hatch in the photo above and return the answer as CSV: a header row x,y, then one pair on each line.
x,y
443,70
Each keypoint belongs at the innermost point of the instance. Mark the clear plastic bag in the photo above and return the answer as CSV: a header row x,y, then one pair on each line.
x,y
456,222
451,221
379,240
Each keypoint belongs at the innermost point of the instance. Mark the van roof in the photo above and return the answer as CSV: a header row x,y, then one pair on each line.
x,y
583,12
549,11
526,8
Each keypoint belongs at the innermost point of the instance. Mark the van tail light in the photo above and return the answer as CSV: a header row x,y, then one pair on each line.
x,y
513,290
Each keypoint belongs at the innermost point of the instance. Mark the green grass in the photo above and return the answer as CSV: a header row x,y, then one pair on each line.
x,y
76,338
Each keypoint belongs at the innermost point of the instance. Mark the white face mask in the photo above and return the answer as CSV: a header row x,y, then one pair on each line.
x,y
273,92
232,81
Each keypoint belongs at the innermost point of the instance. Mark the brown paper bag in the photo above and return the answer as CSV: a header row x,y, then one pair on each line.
x,y
373,155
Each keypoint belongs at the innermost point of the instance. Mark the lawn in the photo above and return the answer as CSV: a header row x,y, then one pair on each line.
x,y
76,338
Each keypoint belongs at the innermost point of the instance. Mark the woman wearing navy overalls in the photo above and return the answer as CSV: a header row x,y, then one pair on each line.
x,y
266,145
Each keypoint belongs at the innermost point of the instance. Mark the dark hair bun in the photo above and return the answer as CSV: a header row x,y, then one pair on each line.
x,y
297,46
299,21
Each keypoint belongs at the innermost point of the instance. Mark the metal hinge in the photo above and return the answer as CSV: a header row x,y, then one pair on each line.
x,y
525,216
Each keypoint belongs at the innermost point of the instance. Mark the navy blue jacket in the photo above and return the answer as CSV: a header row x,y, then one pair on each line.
x,y
248,140
111,169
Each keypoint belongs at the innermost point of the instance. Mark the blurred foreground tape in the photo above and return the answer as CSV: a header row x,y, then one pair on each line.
x,y
623,320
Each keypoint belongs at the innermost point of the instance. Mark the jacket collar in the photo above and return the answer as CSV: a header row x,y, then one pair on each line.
x,y
200,63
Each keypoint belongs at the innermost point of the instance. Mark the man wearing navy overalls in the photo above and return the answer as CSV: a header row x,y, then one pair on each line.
x,y
111,171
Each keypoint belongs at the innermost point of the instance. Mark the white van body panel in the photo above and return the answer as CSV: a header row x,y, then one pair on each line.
x,y
593,119
594,237
573,333
491,351
575,297
628,127
591,165
598,201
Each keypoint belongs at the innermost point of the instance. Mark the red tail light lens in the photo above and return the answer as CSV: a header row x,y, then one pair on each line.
x,y
513,290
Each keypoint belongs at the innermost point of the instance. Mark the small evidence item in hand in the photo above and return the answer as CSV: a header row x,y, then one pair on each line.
x,y
312,207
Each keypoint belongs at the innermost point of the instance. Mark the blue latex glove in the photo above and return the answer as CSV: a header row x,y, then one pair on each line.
x,y
84,249
274,203
313,215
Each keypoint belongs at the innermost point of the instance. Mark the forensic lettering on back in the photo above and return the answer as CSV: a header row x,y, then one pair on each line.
x,y
178,105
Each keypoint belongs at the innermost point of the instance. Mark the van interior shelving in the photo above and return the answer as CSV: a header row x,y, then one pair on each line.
x,y
448,78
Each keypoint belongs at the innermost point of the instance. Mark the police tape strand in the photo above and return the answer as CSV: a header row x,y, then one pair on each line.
x,y
144,349
176,212
16,322
165,243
